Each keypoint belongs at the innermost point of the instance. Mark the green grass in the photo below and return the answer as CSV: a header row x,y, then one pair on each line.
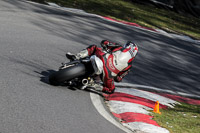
x,y
183,118
143,15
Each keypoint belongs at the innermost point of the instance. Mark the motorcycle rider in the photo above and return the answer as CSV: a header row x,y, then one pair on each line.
x,y
114,61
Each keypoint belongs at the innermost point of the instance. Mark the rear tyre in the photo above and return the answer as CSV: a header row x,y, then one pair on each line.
x,y
67,74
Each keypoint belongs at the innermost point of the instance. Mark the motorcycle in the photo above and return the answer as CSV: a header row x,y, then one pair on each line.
x,y
78,73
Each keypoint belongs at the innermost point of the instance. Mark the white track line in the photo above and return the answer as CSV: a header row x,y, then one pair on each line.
x,y
155,89
119,107
147,128
100,108
147,95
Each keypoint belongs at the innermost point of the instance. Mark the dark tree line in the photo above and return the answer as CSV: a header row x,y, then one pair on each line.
x,y
181,6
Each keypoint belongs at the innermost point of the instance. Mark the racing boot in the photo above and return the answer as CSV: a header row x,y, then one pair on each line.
x,y
81,54
71,56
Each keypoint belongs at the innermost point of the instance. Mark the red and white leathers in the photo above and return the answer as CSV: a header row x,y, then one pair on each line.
x,y
116,63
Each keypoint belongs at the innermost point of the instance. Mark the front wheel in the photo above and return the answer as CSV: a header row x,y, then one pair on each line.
x,y
67,74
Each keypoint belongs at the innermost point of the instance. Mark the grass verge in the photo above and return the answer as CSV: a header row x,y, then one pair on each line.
x,y
143,15
184,118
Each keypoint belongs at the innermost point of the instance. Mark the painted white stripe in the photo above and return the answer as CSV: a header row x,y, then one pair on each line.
x,y
122,107
100,108
155,89
148,95
147,128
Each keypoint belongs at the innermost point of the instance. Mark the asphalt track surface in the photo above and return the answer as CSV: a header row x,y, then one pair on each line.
x,y
33,42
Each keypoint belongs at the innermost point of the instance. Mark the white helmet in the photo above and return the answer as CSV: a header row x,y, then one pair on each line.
x,y
133,47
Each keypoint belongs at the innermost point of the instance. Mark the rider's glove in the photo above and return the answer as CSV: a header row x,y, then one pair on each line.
x,y
121,75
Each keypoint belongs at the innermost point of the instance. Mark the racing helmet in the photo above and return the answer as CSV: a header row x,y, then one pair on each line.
x,y
130,44
133,47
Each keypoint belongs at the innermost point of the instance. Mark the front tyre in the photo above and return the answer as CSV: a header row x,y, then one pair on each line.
x,y
67,74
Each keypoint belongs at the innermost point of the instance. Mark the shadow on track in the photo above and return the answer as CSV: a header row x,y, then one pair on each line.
x,y
45,78
162,62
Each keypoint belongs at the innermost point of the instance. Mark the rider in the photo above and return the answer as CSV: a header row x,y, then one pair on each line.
x,y
116,61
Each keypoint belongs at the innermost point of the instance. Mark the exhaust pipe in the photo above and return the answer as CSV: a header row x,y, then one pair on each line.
x,y
85,83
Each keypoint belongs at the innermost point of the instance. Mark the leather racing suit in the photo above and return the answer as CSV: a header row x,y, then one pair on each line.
x,y
117,62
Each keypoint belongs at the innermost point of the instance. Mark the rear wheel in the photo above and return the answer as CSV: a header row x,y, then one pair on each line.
x,y
67,74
